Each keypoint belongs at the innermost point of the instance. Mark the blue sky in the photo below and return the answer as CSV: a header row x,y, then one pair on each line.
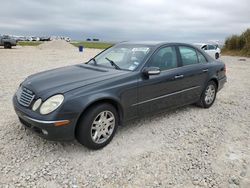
x,y
179,20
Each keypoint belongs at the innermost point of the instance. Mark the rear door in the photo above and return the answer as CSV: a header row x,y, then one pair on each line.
x,y
194,71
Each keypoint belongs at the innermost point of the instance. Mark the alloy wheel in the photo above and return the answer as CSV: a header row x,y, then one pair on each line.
x,y
102,127
210,94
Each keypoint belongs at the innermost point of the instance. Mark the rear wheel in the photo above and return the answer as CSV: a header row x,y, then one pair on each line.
x,y
208,95
97,126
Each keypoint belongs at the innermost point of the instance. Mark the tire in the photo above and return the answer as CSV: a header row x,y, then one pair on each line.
x,y
90,130
7,45
217,55
208,96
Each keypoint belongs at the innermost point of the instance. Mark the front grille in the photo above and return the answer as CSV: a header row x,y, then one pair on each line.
x,y
25,96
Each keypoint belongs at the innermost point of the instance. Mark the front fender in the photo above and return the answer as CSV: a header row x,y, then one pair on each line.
x,y
98,97
81,103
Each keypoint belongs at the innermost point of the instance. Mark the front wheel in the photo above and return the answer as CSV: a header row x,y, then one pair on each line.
x,y
97,126
208,95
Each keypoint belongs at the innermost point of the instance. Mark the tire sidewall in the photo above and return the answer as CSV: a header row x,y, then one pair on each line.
x,y
83,131
204,104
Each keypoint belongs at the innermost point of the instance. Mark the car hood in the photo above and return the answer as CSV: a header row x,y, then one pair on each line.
x,y
64,79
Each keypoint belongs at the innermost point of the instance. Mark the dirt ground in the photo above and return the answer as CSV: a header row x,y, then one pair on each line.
x,y
187,147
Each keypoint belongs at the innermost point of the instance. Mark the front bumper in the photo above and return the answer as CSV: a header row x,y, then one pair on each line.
x,y
46,128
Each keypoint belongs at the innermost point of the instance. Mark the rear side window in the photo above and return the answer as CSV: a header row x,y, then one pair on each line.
x,y
188,55
201,58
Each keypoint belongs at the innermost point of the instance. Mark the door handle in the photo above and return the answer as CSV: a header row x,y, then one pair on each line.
x,y
178,76
205,70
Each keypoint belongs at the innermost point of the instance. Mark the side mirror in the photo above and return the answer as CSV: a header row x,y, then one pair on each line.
x,y
151,71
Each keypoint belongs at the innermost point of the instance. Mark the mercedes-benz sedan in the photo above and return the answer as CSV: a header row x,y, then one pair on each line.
x,y
88,101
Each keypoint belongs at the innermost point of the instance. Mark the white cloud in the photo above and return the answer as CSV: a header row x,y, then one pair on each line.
x,y
181,20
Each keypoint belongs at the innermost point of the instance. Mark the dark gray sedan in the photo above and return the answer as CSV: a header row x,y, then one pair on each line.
x,y
127,81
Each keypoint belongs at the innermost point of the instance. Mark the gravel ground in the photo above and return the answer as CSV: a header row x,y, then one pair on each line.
x,y
187,147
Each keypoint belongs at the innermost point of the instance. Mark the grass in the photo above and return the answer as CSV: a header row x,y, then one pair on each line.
x,y
238,45
235,52
85,44
96,45
29,43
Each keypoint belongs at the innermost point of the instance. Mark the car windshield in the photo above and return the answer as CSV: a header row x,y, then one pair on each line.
x,y
122,56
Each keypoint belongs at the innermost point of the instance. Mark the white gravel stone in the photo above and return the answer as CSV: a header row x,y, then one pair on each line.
x,y
186,147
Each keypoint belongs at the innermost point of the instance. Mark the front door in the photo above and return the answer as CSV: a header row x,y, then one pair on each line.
x,y
157,92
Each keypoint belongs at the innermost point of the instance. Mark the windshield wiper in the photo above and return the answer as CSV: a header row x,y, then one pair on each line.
x,y
113,63
93,59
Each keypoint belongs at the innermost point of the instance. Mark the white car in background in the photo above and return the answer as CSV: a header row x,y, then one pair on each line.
x,y
67,39
35,38
211,49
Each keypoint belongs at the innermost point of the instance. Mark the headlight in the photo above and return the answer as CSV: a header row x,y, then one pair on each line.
x,y
36,104
51,104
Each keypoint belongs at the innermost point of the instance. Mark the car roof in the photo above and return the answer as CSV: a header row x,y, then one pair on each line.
x,y
202,44
154,43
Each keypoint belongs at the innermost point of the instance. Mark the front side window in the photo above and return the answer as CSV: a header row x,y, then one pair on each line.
x,y
124,56
165,58
188,55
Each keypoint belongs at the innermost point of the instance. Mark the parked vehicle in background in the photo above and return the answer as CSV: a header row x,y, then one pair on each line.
x,y
127,81
35,38
44,38
18,38
211,49
7,41
67,39
28,38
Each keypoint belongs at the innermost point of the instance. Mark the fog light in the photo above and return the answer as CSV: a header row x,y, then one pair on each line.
x,y
45,132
